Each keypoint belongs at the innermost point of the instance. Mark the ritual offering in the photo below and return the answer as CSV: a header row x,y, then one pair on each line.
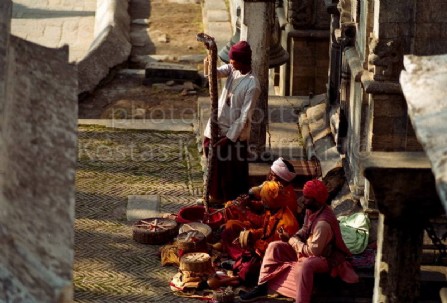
x,y
191,241
201,227
197,262
155,231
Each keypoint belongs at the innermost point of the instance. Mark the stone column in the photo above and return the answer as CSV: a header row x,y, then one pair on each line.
x,y
5,24
405,193
427,108
392,36
334,53
256,26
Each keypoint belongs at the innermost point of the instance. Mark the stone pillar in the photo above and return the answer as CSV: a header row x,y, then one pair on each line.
x,y
405,193
5,26
392,36
307,42
256,26
427,108
38,156
334,53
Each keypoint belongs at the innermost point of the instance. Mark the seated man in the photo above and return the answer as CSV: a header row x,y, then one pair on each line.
x,y
283,172
251,207
289,265
248,251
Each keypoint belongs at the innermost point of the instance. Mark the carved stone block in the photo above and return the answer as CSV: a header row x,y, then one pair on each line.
x,y
307,14
344,6
385,59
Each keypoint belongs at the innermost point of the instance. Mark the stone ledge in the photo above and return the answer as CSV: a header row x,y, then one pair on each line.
x,y
180,125
110,47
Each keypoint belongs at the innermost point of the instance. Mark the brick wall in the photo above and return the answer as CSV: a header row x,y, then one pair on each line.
x,y
309,66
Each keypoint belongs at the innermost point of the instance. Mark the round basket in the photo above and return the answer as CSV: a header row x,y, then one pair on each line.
x,y
198,262
202,227
154,231
191,241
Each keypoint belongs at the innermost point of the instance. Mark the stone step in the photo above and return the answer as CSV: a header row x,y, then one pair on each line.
x,y
327,289
157,72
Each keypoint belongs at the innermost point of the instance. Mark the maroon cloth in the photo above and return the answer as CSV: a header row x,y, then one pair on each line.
x,y
230,178
241,52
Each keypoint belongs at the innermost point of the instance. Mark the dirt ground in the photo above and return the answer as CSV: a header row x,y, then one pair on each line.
x,y
168,31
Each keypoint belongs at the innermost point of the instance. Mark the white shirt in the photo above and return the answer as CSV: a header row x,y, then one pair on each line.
x,y
243,92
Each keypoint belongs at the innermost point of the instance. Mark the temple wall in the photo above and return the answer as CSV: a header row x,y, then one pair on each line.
x,y
38,122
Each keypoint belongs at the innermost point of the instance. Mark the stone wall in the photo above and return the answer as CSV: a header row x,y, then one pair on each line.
x,y
38,159
430,34
309,65
306,38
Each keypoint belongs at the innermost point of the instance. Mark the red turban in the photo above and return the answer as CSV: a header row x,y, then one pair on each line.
x,y
241,52
317,190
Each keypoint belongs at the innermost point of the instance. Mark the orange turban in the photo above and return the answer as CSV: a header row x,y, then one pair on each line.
x,y
269,193
317,190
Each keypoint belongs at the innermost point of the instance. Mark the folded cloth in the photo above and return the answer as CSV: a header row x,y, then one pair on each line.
x,y
355,231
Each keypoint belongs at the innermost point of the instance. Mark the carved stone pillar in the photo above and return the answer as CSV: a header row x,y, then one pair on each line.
x,y
256,26
334,53
5,24
405,193
390,39
308,36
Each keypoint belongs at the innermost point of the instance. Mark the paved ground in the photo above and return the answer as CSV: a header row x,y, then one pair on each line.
x,y
53,23
113,164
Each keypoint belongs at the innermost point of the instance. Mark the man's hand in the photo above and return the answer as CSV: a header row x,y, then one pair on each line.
x,y
283,235
243,200
222,141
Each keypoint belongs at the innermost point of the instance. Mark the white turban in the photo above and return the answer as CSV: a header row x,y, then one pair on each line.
x,y
280,169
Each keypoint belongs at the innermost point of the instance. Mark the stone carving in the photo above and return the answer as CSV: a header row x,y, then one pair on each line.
x,y
355,10
348,32
308,14
385,59
344,6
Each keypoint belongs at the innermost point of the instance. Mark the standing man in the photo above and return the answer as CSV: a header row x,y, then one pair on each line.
x,y
289,265
235,111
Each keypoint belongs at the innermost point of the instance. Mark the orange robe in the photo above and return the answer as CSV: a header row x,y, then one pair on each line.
x,y
283,218
248,260
262,235
287,196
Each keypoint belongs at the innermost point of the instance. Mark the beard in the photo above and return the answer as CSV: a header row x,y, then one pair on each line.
x,y
313,207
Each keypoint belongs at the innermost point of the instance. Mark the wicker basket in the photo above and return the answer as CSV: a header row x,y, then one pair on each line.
x,y
198,262
191,241
155,231
201,227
